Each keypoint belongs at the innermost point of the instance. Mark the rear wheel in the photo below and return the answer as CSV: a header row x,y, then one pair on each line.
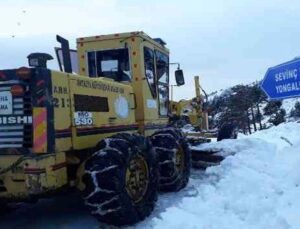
x,y
7,208
4,209
174,159
121,180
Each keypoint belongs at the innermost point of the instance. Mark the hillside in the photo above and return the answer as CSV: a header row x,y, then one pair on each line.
x,y
250,108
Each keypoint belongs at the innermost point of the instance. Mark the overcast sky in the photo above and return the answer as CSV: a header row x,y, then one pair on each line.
x,y
225,42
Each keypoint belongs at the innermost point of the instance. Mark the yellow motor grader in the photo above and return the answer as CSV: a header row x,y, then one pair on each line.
x,y
100,125
191,111
193,115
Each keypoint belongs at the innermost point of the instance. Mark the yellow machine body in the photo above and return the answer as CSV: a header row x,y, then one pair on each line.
x,y
67,114
148,106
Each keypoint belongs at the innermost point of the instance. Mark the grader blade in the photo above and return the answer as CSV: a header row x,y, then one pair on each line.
x,y
202,159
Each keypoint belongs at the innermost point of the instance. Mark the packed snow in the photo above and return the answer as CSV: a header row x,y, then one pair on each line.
x,y
289,104
256,186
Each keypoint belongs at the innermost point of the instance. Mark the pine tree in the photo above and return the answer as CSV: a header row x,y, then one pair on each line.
x,y
278,117
242,103
258,97
272,107
295,112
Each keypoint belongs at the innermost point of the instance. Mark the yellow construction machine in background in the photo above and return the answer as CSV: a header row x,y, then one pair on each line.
x,y
191,111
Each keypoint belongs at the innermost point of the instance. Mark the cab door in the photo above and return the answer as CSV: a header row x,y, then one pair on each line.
x,y
162,74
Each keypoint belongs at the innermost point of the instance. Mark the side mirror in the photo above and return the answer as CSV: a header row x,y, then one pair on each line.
x,y
179,77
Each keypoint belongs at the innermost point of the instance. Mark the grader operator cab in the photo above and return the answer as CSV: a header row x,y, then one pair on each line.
x,y
100,125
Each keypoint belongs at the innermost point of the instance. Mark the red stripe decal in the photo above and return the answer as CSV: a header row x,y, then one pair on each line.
x,y
63,130
40,141
39,118
59,166
34,170
40,82
40,100
106,127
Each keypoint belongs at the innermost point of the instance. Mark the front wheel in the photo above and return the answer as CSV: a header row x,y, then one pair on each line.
x,y
121,180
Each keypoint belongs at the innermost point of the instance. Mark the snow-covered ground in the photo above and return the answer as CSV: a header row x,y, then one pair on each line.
x,y
289,104
256,186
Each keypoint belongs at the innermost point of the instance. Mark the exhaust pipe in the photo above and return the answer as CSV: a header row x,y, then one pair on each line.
x,y
65,53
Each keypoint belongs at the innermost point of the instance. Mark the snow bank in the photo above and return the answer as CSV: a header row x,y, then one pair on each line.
x,y
257,187
286,134
289,104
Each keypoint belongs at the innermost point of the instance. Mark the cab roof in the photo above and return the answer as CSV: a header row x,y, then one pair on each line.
x,y
157,41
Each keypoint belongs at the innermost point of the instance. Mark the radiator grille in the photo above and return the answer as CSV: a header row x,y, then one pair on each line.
x,y
17,135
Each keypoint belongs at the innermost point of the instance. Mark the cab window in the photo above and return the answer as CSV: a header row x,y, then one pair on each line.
x,y
149,69
162,69
113,63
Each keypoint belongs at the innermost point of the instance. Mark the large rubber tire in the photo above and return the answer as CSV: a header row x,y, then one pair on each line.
x,y
5,209
227,131
105,178
166,144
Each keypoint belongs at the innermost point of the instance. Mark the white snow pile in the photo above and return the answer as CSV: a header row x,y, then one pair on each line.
x,y
289,104
257,187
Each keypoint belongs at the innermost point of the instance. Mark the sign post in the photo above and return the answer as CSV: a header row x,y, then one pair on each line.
x,y
282,81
